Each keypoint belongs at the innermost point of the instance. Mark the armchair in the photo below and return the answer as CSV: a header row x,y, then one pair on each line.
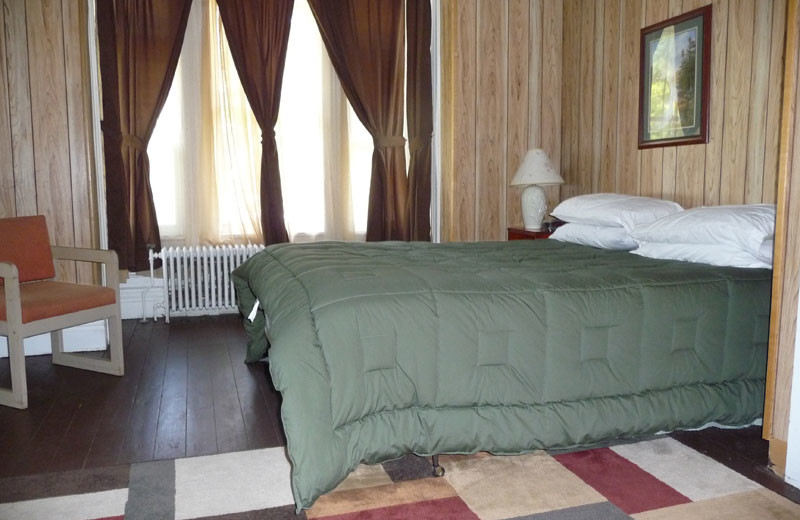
x,y
32,303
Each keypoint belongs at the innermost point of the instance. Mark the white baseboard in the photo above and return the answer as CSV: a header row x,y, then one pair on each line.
x,y
140,296
91,336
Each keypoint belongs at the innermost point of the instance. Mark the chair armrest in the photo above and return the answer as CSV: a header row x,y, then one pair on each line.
x,y
10,276
99,256
8,271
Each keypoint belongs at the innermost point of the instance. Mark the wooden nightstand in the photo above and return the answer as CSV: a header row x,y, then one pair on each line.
x,y
524,234
548,226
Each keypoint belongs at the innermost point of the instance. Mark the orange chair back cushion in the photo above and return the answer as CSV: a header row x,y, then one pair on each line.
x,y
24,242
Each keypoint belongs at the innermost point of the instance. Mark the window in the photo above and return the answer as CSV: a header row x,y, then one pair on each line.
x,y
205,153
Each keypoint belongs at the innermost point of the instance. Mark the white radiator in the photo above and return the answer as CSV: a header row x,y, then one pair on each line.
x,y
197,280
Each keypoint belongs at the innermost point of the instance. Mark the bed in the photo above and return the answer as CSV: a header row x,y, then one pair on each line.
x,y
385,349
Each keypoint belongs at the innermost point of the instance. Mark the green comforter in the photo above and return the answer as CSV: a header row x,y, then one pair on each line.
x,y
389,348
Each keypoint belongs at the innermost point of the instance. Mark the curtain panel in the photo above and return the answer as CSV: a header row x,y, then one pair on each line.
x,y
147,37
120,237
419,96
258,34
365,41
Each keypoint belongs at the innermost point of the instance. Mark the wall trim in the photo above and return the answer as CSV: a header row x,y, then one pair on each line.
x,y
792,460
139,296
436,159
97,133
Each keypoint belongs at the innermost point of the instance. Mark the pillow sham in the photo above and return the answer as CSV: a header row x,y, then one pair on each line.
x,y
612,209
712,254
744,226
604,237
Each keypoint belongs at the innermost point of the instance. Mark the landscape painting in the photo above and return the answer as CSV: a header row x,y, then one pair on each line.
x,y
674,81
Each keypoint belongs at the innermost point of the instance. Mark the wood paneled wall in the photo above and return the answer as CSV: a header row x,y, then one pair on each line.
x,y
46,164
501,96
601,91
563,75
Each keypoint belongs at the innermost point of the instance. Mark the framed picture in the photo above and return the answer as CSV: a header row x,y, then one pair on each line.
x,y
674,80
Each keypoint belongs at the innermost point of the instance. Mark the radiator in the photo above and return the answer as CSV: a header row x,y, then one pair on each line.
x,y
197,280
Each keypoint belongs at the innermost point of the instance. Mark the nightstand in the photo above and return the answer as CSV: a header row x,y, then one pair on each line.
x,y
548,226
524,234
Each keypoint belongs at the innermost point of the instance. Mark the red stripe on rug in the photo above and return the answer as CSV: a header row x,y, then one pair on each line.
x,y
451,508
622,482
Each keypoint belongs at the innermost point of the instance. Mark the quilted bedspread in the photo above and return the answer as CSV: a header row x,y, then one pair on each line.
x,y
384,349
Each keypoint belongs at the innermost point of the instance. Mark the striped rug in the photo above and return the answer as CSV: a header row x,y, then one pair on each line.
x,y
657,479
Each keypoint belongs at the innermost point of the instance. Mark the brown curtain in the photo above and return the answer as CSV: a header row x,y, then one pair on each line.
x,y
258,34
147,36
365,41
119,232
419,96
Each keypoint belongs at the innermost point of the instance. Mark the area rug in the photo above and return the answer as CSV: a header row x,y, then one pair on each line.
x,y
656,479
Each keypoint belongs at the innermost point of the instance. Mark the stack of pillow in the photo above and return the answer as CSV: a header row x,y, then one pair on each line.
x,y
738,236
606,220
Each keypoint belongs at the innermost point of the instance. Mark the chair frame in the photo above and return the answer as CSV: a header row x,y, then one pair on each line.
x,y
16,331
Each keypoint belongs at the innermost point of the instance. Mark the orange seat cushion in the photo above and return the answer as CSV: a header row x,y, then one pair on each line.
x,y
41,300
25,244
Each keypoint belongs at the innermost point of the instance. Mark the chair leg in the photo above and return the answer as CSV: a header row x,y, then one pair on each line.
x,y
57,342
17,397
115,344
113,366
57,347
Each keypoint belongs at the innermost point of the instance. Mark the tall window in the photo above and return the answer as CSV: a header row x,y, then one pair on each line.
x,y
205,153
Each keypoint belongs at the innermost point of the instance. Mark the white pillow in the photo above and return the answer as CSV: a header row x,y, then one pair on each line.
x,y
744,226
765,253
713,254
604,237
611,209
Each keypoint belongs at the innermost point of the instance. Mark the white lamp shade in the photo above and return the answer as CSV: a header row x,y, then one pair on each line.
x,y
536,168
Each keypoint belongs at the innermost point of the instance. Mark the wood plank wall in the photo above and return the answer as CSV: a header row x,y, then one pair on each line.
x,y
46,164
501,96
564,75
601,89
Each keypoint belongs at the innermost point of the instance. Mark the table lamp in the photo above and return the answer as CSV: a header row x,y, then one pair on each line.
x,y
535,171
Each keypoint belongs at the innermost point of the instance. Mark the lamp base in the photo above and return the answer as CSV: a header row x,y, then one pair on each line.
x,y
534,207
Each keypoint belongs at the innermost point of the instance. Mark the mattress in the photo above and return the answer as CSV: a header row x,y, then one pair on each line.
x,y
384,349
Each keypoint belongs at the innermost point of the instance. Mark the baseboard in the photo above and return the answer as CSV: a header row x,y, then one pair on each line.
x,y
141,297
91,336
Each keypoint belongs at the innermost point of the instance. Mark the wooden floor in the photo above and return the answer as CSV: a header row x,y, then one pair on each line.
x,y
186,392
743,450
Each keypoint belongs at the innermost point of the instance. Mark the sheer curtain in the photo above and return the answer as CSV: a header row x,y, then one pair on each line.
x,y
232,142
206,147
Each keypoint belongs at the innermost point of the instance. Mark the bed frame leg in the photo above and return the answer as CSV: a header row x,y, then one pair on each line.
x,y
438,471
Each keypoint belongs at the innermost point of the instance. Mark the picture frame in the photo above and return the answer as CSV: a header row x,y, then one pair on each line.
x,y
674,80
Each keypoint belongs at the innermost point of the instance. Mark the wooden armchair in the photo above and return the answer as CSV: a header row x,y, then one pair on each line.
x,y
32,303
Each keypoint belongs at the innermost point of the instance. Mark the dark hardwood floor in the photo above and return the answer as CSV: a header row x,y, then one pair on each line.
x,y
742,450
186,392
